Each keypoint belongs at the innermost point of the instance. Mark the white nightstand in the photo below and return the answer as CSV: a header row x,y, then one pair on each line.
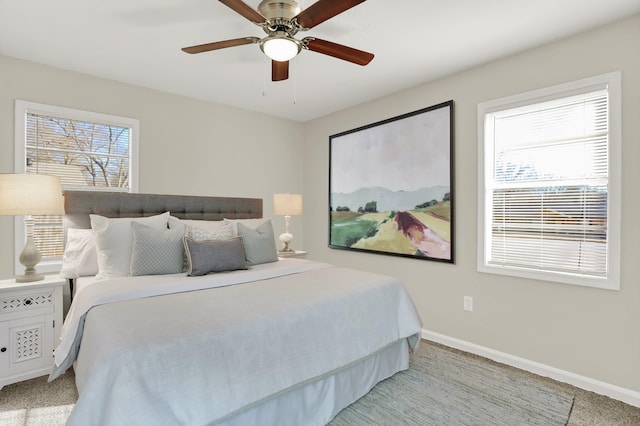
x,y
295,253
30,323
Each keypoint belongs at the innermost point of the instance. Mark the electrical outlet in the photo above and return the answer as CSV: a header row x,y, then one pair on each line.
x,y
467,303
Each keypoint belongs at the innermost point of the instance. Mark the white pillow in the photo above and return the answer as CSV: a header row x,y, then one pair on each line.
x,y
113,241
199,234
210,226
249,223
80,258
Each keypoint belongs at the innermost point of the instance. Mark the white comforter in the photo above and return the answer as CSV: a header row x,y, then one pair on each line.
x,y
199,357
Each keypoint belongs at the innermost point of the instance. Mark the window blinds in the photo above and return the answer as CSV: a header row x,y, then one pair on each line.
x,y
549,185
85,155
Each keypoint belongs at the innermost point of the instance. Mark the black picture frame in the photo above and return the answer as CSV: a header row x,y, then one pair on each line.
x,y
391,186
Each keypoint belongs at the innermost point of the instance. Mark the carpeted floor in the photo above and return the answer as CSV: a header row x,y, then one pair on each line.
x,y
449,388
36,402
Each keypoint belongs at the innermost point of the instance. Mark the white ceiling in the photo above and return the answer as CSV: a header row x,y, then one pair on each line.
x,y
415,41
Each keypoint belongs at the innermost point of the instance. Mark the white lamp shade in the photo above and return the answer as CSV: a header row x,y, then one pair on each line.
x,y
287,204
30,194
280,49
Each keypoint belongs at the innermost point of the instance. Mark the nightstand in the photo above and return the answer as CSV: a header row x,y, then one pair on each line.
x,y
295,253
30,323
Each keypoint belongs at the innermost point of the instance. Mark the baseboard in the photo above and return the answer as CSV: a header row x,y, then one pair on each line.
x,y
616,392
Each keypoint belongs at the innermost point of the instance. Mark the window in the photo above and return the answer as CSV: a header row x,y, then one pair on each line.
x,y
88,151
549,183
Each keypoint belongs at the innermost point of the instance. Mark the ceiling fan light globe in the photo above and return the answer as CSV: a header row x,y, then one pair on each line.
x,y
280,49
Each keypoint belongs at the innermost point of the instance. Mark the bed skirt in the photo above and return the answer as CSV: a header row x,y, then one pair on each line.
x,y
317,402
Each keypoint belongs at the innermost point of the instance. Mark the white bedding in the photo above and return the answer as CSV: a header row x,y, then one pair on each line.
x,y
99,291
81,282
199,357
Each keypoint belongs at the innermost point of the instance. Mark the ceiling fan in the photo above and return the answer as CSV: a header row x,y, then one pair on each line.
x,y
282,20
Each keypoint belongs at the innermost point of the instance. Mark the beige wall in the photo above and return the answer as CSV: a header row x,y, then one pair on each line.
x,y
590,332
186,146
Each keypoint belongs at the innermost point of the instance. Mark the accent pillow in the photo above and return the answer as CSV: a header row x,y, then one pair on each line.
x,y
222,233
80,258
113,242
156,251
259,243
251,223
214,256
207,225
204,229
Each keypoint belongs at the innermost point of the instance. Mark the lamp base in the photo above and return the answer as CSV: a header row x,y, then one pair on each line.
x,y
285,248
286,238
30,257
29,277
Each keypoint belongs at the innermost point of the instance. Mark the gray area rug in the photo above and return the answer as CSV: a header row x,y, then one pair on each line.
x,y
446,387
442,387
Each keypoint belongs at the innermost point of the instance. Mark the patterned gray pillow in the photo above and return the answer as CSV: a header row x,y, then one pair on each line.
x,y
156,251
224,232
214,255
259,243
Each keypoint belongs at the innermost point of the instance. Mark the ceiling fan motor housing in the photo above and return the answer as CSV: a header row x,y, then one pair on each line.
x,y
279,9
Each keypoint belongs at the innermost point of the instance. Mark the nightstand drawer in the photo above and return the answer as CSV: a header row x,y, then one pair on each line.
x,y
26,301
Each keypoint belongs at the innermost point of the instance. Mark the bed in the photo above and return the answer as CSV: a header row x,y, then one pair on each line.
x,y
278,342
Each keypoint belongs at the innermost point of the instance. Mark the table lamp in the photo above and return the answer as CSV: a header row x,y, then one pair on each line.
x,y
30,194
287,205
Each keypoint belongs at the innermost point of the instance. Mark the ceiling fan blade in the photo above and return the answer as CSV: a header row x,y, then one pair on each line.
x,y
279,70
245,10
322,10
220,44
339,51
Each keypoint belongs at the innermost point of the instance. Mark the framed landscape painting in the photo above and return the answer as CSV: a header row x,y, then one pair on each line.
x,y
391,186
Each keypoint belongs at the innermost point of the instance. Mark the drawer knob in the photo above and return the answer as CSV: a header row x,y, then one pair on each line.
x,y
3,349
27,302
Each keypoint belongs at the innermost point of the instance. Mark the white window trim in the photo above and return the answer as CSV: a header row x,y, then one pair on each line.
x,y
613,81
20,160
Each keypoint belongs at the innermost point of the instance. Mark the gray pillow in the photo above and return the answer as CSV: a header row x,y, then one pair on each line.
x,y
259,243
214,255
156,251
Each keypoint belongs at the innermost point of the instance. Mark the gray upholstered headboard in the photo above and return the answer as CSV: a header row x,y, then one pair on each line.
x,y
79,205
